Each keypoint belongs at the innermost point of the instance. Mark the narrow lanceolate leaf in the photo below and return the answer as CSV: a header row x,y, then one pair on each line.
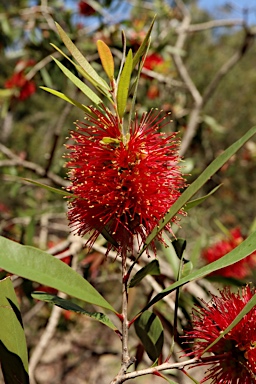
x,y
123,85
79,83
240,252
251,304
106,59
81,59
66,98
36,265
48,188
152,269
143,47
194,203
83,73
69,306
150,331
197,184
13,349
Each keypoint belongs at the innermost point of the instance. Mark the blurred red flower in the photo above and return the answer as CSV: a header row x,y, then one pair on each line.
x,y
152,61
85,9
153,92
25,88
233,359
123,184
239,270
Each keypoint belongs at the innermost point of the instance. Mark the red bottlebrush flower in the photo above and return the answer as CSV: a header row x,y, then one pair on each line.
x,y
152,61
25,88
239,270
85,9
233,357
122,184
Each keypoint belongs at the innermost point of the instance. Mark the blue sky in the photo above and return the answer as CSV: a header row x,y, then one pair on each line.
x,y
237,8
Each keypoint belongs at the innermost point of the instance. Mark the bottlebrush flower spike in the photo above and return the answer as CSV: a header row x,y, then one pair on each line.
x,y
123,183
234,355
239,270
25,88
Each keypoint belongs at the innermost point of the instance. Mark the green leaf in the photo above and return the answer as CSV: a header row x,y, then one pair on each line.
x,y
179,246
194,203
36,265
46,77
150,331
66,98
240,252
48,188
150,269
123,85
81,59
251,304
13,349
69,306
142,49
197,184
79,83
106,59
187,268
83,73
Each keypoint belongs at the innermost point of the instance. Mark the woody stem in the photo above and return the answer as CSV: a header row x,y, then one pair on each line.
x,y
125,352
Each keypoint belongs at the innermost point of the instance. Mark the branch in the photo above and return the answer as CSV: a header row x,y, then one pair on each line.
x,y
181,68
41,64
248,39
45,339
214,24
36,168
152,370
194,117
53,321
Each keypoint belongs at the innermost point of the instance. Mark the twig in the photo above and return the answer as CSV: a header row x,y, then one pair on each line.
x,y
152,370
200,100
215,24
41,64
180,66
44,340
226,67
126,360
194,117
36,168
53,321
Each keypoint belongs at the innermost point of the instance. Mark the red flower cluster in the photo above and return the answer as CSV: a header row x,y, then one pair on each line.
x,y
152,61
239,270
85,9
233,357
25,88
123,184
